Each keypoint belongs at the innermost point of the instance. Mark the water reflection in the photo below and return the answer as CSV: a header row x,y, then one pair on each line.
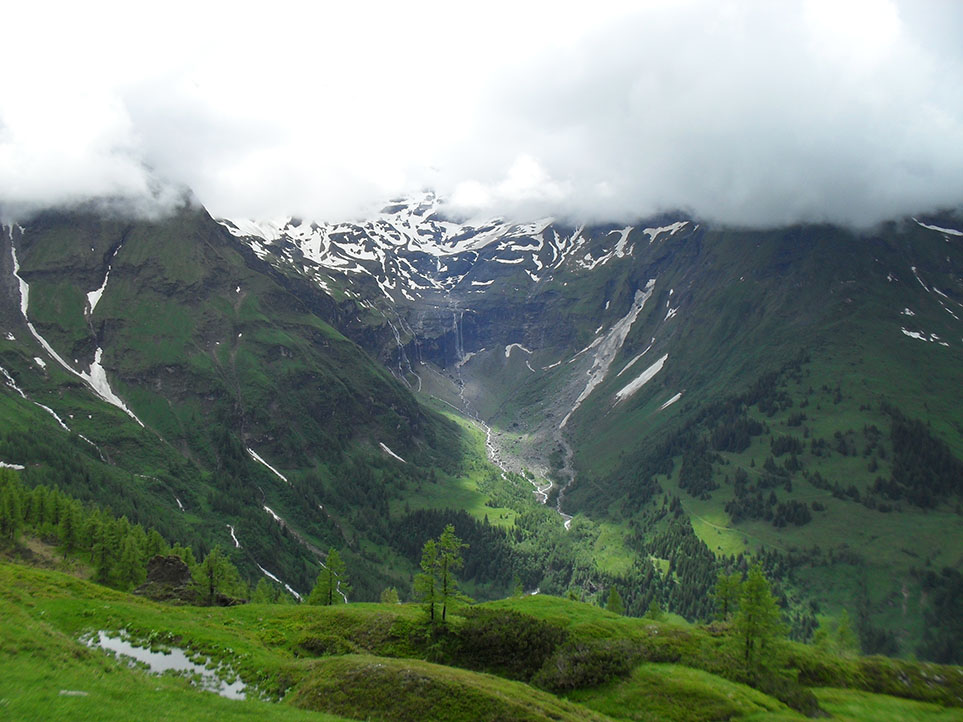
x,y
172,659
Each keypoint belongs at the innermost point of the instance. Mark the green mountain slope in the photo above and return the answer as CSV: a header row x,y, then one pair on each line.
x,y
368,661
793,393
208,394
693,395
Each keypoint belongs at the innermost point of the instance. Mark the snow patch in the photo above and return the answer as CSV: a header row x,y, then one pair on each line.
x,y
632,362
93,297
179,505
275,579
509,347
923,336
950,231
237,544
96,378
467,357
907,312
919,279
610,345
17,467
671,229
671,401
642,380
258,459
389,452
40,362
13,385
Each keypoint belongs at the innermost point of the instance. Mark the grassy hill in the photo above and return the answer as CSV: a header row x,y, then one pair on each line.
x,y
533,658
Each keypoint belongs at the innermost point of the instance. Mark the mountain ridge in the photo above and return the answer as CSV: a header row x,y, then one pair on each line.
x,y
653,375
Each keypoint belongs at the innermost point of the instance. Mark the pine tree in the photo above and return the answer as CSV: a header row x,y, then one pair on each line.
x,y
11,518
155,544
726,594
425,580
264,592
614,603
654,611
757,623
130,566
185,553
69,530
331,586
837,637
517,589
389,595
449,562
216,575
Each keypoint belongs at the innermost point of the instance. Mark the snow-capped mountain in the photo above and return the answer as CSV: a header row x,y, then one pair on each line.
x,y
411,250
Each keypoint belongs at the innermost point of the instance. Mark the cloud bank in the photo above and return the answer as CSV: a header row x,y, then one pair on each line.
x,y
744,113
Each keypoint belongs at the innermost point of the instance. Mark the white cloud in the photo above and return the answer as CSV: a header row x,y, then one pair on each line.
x,y
743,112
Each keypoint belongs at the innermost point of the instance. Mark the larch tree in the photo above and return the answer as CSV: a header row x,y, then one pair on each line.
x,y
449,562
332,585
757,623
217,575
726,594
425,580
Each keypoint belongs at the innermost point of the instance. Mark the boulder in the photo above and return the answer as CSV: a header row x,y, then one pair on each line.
x,y
168,580
168,570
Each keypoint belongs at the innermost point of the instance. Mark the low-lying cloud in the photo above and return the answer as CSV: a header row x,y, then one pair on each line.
x,y
746,113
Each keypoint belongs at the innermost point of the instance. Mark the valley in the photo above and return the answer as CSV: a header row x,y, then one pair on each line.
x,y
638,406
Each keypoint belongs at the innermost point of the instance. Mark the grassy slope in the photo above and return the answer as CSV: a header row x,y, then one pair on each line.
x,y
749,303
371,664
214,355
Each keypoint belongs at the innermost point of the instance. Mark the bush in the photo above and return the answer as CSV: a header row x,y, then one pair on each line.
x,y
504,642
323,645
587,663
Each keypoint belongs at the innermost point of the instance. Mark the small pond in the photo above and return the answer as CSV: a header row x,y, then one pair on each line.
x,y
171,660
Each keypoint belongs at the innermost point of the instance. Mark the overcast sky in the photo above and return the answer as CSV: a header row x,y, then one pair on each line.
x,y
753,113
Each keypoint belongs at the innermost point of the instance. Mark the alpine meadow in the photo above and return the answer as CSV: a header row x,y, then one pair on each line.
x,y
483,365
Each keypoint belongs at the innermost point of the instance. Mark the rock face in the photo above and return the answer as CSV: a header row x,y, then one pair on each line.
x,y
168,580
168,570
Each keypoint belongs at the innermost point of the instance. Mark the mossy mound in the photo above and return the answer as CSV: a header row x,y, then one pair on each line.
x,y
406,690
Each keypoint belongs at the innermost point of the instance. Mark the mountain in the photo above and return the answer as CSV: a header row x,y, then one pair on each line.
x,y
685,396
173,366
771,380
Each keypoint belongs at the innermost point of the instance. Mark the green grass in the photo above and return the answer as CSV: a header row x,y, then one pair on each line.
x,y
673,693
372,661
849,705
407,690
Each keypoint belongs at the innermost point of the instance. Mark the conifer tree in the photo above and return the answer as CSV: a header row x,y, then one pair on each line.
x,y
425,580
69,530
726,594
155,544
331,586
11,518
449,562
264,592
654,611
614,602
757,622
130,565
216,575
